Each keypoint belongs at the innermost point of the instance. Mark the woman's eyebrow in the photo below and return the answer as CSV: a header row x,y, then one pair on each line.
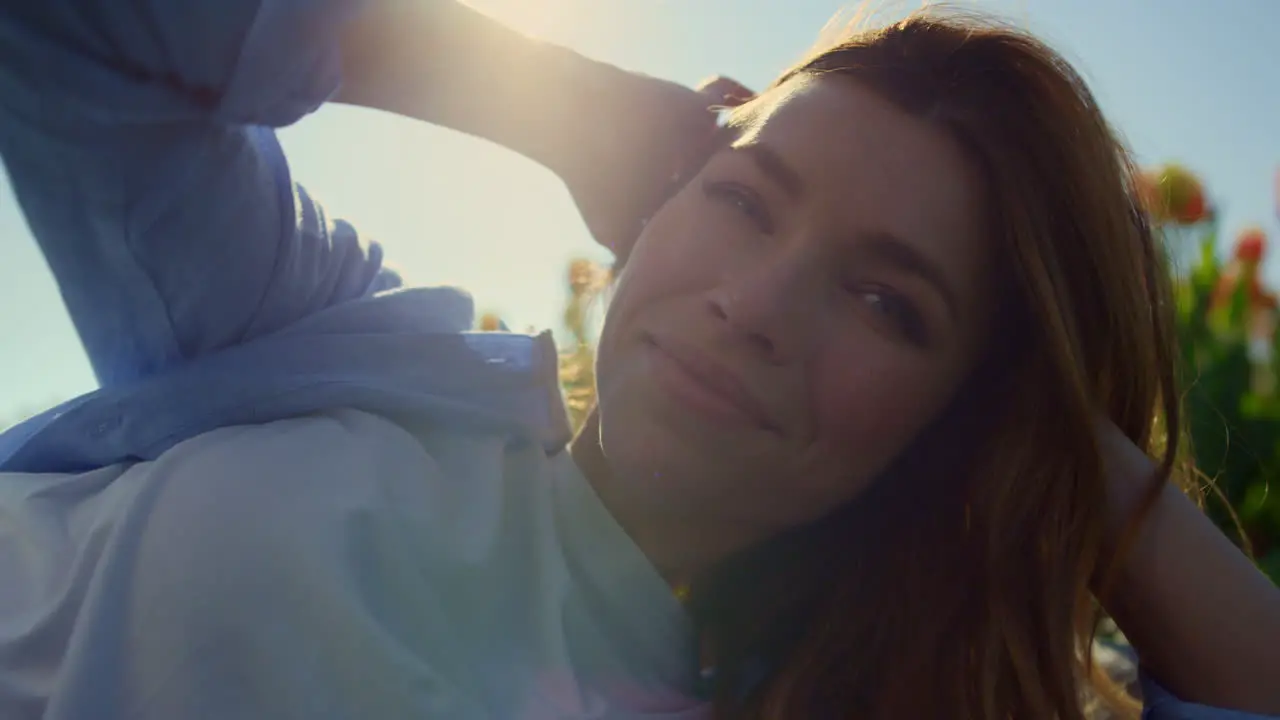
x,y
774,167
890,248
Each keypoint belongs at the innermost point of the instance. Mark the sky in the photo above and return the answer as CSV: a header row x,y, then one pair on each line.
x,y
1195,82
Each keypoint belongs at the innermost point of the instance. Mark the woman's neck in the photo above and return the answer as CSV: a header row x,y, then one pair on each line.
x,y
678,544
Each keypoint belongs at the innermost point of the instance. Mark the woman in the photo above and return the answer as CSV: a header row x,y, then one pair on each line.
x,y
877,383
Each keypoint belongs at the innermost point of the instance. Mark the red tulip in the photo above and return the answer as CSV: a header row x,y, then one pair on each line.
x,y
1251,245
1180,195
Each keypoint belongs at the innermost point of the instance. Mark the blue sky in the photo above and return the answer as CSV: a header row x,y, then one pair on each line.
x,y
1191,81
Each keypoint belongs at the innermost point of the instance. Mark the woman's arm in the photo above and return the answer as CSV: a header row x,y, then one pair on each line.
x,y
616,138
137,136
1204,620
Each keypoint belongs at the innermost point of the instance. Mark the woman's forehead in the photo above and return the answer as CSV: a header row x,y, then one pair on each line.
x,y
844,139
835,111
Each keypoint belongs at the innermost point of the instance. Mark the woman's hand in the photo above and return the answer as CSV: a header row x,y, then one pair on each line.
x,y
644,141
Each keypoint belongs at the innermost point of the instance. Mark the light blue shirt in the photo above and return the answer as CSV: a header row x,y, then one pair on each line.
x,y
208,288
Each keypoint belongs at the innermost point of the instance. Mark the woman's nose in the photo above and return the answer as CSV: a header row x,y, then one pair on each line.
x,y
769,307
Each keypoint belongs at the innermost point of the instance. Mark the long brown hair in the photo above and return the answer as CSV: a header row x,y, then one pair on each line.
x,y
961,583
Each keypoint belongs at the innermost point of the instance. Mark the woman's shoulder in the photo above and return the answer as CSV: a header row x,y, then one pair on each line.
x,y
340,534
296,484
337,486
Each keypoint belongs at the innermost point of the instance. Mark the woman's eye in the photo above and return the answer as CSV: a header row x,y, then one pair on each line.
x,y
895,309
742,199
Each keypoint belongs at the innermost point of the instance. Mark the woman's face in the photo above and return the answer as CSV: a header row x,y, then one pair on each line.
x,y
798,313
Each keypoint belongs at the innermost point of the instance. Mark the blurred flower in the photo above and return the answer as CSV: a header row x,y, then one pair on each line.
x,y
1251,245
1242,273
490,322
1172,193
1241,305
577,363
586,277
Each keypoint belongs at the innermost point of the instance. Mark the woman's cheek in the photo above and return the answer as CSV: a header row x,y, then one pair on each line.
x,y
678,240
868,412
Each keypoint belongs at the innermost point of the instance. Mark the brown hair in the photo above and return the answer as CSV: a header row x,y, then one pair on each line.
x,y
960,584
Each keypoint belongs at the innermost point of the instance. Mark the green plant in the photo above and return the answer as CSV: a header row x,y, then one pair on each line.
x,y
1232,408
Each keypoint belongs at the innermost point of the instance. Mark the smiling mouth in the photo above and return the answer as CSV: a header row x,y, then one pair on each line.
x,y
702,386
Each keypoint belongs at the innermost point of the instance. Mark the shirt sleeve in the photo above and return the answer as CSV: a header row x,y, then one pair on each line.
x,y
287,570
1160,704
138,136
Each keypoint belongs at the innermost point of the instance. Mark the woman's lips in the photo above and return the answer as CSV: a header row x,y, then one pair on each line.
x,y
705,386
